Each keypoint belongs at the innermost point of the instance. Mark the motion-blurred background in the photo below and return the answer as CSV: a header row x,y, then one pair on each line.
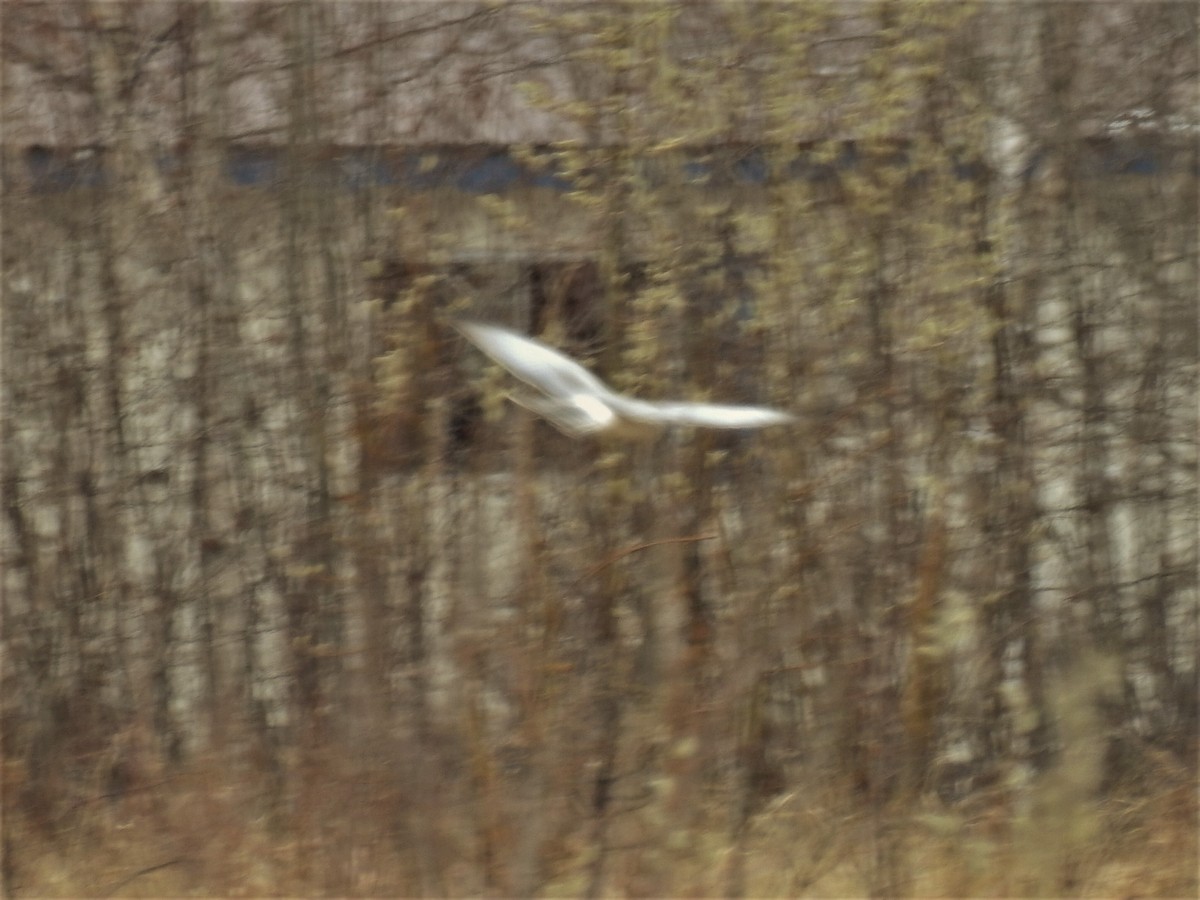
x,y
294,603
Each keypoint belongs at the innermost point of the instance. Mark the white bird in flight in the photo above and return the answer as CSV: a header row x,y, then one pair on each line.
x,y
578,403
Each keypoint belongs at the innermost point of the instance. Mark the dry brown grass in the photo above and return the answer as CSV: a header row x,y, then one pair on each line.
x,y
216,830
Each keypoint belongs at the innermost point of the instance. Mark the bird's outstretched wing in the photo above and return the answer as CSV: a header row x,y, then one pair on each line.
x,y
532,361
713,415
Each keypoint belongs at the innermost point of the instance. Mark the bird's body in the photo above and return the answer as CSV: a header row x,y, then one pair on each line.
x,y
578,403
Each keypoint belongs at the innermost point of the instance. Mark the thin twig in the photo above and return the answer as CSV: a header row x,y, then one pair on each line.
x,y
637,548
146,871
